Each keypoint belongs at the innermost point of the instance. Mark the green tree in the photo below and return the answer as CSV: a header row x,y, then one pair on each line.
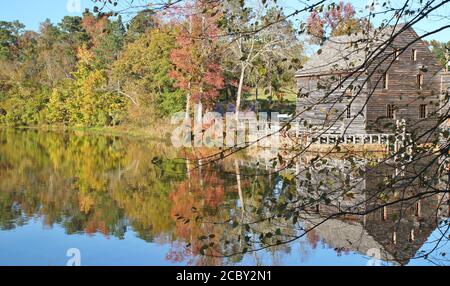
x,y
89,103
274,69
442,52
57,109
73,31
142,74
263,49
9,36
110,45
140,24
106,37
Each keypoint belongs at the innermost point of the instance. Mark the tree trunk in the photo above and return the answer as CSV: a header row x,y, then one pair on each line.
x,y
239,93
188,103
238,180
256,98
188,99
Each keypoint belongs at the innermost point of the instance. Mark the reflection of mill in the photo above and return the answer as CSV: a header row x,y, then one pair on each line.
x,y
396,231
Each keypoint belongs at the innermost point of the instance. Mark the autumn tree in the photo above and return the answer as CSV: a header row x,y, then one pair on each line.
x,y
91,103
197,70
56,54
142,75
107,36
24,95
335,19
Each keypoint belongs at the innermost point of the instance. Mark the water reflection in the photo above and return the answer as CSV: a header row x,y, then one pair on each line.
x,y
200,215
375,206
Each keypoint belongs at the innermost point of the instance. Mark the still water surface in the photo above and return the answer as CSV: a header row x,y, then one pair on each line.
x,y
118,200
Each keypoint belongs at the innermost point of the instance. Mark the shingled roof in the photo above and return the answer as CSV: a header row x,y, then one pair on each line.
x,y
347,52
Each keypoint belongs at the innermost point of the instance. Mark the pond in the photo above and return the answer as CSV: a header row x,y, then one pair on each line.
x,y
122,201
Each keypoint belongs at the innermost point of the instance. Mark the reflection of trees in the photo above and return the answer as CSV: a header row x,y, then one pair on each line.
x,y
201,197
352,205
214,210
79,182
349,93
216,214
144,195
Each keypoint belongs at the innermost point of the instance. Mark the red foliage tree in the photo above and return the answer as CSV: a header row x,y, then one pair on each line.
x,y
95,26
339,19
197,68
315,24
338,14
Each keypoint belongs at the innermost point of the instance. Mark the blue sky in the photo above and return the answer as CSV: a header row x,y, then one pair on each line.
x,y
18,247
33,12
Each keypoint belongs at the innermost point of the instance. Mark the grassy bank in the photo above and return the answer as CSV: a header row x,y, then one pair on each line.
x,y
161,133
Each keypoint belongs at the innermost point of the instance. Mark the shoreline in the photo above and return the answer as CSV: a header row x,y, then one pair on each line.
x,y
121,131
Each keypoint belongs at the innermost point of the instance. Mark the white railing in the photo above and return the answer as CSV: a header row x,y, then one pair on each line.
x,y
332,136
355,139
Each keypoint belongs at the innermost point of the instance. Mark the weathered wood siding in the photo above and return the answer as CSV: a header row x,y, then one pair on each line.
x,y
324,104
403,91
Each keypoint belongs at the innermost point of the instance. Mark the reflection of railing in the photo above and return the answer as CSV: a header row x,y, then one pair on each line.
x,y
378,138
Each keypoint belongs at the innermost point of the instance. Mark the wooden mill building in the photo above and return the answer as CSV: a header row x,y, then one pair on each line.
x,y
370,83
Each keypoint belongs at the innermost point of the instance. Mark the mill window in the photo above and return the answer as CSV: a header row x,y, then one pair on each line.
x,y
414,54
419,81
348,111
391,110
423,111
386,81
